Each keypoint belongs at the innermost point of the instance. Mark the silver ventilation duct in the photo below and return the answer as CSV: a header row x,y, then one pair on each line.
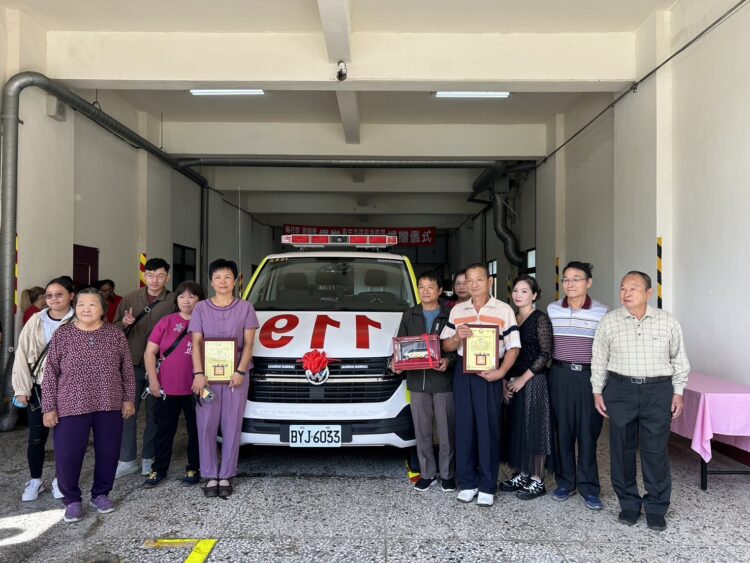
x,y
510,242
9,116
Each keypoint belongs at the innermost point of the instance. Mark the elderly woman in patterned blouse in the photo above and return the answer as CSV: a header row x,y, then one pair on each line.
x,y
88,384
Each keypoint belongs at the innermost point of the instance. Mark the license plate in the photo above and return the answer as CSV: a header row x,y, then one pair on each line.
x,y
314,436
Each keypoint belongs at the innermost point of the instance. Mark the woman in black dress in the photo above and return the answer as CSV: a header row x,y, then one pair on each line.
x,y
528,430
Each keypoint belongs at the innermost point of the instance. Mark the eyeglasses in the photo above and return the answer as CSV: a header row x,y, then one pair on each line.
x,y
51,296
156,276
573,280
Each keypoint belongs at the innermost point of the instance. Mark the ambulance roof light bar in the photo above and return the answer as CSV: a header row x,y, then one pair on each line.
x,y
358,241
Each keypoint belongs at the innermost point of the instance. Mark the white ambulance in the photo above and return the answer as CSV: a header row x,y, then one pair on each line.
x,y
342,295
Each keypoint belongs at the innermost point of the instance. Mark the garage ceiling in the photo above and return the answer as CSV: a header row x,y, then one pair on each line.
x,y
548,53
297,16
374,107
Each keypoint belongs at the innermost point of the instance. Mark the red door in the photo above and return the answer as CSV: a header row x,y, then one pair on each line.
x,y
85,265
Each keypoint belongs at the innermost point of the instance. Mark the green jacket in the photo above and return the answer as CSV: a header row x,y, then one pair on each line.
x,y
429,380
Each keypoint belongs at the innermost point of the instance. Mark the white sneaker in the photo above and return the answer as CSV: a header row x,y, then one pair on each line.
x,y
55,489
32,490
146,466
485,499
467,495
126,468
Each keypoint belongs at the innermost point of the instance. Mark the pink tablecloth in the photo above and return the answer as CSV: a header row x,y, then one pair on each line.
x,y
715,409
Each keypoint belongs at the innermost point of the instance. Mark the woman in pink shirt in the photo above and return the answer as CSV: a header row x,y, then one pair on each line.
x,y
171,383
88,384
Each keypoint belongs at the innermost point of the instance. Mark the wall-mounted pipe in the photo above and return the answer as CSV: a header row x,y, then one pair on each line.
x,y
283,162
510,242
9,118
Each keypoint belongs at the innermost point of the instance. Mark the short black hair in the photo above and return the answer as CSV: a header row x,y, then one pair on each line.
x,y
433,276
153,264
643,275
222,264
101,283
478,266
92,291
192,287
64,281
533,284
585,267
461,272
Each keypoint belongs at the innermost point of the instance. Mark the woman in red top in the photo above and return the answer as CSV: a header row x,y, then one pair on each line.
x,y
107,289
32,301
171,383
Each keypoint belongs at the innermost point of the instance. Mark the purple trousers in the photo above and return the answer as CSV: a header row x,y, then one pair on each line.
x,y
71,438
224,412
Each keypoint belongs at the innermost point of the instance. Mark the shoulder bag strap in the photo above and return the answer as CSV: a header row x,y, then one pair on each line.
x,y
41,357
145,312
174,344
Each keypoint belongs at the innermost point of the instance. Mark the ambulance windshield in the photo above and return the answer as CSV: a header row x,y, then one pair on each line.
x,y
332,284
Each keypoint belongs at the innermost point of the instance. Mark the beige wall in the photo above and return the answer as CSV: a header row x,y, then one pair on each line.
x,y
711,165
589,203
106,201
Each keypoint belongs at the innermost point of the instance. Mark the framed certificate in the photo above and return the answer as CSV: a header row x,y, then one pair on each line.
x,y
219,358
482,349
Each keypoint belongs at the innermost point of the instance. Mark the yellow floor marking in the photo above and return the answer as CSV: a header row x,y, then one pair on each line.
x,y
201,548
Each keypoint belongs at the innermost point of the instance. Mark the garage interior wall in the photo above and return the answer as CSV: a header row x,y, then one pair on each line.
x,y
79,184
669,161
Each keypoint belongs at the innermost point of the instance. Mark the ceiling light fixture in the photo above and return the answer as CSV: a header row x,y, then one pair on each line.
x,y
226,92
458,94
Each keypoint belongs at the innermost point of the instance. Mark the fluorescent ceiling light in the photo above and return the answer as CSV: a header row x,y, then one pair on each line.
x,y
227,92
456,94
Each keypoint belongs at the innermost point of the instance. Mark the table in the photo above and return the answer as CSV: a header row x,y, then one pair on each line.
x,y
715,409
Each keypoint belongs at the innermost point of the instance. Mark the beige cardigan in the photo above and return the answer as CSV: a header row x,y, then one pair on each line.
x,y
31,344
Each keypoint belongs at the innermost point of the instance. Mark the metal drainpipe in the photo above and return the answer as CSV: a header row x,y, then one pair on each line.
x,y
509,240
9,118
333,163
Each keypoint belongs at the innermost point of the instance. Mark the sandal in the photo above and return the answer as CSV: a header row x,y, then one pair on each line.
x,y
211,491
225,490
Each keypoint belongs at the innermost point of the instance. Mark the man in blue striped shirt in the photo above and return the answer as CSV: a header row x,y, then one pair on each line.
x,y
575,420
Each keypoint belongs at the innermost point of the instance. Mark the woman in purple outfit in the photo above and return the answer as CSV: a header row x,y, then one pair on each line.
x,y
225,317
88,384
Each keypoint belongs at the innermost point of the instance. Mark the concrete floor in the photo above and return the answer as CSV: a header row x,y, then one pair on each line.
x,y
357,505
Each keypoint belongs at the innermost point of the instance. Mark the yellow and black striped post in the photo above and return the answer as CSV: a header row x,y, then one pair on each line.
x,y
142,275
658,272
557,278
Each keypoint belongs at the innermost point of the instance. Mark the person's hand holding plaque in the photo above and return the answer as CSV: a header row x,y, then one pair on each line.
x,y
463,332
482,351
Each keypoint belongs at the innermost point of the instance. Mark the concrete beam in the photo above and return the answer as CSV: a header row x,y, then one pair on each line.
x,y
517,141
280,180
349,111
519,62
360,204
326,220
337,27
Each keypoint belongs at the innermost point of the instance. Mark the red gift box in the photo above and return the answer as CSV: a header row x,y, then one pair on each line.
x,y
416,352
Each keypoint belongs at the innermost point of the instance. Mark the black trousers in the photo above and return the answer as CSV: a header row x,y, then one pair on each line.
x,y
640,417
167,415
38,434
576,423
